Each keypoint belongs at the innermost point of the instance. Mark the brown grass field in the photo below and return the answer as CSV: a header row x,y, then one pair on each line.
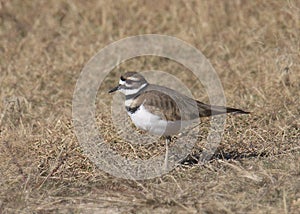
x,y
253,45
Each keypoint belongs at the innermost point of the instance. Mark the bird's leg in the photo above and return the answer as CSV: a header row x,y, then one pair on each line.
x,y
168,140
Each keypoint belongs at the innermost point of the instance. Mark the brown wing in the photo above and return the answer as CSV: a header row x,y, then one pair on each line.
x,y
158,103
205,110
171,105
191,109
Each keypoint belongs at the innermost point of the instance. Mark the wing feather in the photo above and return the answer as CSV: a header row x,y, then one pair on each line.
x,y
172,105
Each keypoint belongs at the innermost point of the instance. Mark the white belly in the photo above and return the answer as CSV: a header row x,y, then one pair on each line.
x,y
153,124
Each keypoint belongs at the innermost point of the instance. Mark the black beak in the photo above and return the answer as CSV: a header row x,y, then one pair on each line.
x,y
114,89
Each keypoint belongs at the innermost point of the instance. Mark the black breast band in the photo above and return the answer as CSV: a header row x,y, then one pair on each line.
x,y
132,110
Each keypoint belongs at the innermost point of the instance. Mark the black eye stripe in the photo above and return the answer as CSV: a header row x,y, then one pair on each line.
x,y
122,78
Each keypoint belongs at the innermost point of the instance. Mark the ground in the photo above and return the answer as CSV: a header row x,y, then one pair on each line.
x,y
254,47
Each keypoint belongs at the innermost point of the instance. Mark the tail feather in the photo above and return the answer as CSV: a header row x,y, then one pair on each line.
x,y
206,110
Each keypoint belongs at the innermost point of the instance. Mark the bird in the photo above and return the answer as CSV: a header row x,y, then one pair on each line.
x,y
160,110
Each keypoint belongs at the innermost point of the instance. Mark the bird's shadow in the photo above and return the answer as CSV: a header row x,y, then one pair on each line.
x,y
193,159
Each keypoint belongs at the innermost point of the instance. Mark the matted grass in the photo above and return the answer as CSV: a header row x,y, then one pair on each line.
x,y
253,45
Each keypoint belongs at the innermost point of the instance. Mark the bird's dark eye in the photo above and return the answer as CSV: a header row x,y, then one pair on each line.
x,y
122,78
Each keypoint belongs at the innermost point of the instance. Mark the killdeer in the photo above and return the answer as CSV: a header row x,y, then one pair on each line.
x,y
160,110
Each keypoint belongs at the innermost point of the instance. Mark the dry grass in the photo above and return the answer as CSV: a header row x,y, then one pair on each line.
x,y
253,45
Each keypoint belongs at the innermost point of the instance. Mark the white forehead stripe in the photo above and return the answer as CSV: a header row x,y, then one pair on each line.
x,y
121,82
133,91
133,78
